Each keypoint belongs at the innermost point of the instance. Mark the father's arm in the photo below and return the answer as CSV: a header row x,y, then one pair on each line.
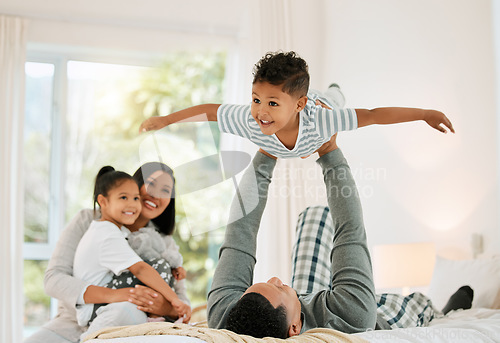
x,y
234,272
350,306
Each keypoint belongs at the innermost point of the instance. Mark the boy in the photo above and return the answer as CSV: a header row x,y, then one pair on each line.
x,y
285,119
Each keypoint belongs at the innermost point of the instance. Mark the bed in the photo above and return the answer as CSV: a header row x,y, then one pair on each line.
x,y
481,323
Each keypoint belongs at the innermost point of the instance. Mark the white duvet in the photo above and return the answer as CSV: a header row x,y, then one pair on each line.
x,y
475,325
470,326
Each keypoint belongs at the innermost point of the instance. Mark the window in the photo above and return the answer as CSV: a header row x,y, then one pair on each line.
x,y
82,115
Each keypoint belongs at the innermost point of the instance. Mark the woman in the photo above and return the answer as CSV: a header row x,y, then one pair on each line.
x,y
157,187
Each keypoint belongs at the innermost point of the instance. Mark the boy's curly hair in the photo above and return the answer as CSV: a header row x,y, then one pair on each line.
x,y
255,316
283,68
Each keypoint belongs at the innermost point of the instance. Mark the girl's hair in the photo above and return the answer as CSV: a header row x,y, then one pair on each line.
x,y
165,222
108,178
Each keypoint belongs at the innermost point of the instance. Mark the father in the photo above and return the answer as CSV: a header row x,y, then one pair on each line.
x,y
273,308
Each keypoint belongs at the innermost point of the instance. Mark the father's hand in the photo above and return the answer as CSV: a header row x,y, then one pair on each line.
x,y
267,154
328,146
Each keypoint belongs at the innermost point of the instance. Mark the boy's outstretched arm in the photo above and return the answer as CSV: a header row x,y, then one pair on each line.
x,y
197,113
394,115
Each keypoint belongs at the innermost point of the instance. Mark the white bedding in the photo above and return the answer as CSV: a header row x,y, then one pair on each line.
x,y
475,325
470,326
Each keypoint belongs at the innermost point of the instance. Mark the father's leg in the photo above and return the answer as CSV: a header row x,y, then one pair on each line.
x,y
311,251
352,295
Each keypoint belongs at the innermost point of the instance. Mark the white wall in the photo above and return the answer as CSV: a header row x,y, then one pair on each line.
x,y
417,184
139,30
430,54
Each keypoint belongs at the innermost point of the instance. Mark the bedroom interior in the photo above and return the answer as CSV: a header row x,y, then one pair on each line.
x,y
416,186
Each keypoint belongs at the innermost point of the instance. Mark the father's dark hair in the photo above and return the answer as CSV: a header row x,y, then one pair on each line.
x,y
283,68
255,316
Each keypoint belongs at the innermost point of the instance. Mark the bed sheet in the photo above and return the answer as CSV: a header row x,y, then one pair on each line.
x,y
475,325
469,326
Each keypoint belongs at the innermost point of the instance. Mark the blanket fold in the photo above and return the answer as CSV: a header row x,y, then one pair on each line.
x,y
202,332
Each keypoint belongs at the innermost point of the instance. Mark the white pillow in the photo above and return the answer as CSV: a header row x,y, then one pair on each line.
x,y
482,275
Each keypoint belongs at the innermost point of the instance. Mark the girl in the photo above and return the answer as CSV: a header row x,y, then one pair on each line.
x,y
155,244
104,251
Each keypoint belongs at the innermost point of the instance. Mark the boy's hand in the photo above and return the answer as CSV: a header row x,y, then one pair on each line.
x,y
183,310
153,123
437,119
179,273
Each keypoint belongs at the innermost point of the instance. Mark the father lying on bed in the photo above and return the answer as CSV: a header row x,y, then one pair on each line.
x,y
272,308
332,276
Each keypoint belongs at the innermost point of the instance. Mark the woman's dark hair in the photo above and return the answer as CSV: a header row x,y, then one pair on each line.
x,y
254,315
283,68
108,178
165,222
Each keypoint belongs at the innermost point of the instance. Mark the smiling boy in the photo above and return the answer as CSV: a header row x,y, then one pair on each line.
x,y
288,120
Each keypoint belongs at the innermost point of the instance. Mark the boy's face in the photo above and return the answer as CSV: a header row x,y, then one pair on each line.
x,y
275,110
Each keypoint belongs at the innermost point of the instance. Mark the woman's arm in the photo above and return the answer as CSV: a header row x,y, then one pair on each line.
x,y
59,281
394,115
191,114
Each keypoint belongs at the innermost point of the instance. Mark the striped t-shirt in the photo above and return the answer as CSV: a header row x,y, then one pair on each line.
x,y
317,126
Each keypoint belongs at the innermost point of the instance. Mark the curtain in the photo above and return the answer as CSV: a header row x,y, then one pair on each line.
x,y
272,25
269,29
12,59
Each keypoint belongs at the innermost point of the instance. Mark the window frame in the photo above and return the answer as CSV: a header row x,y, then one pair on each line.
x,y
59,57
57,175
43,251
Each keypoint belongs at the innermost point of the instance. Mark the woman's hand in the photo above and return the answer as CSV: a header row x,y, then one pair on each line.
x,y
183,310
150,301
179,273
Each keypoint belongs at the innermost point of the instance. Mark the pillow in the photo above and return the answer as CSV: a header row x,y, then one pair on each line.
x,y
482,274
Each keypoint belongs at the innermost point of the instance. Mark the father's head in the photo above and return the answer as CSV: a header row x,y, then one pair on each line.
x,y
269,309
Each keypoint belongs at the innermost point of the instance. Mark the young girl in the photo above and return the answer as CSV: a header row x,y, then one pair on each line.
x,y
104,251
